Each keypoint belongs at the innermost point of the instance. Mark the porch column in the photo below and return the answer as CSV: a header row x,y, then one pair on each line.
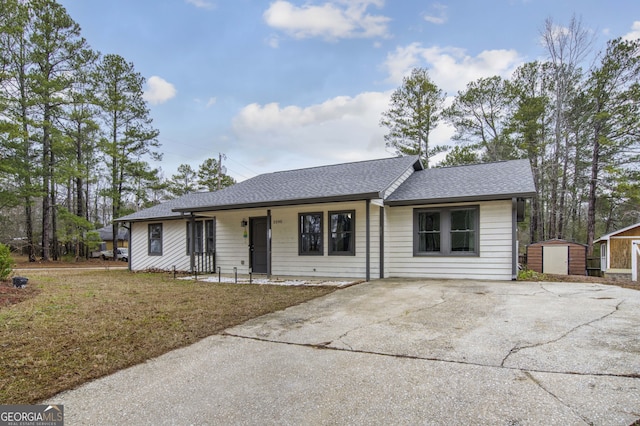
x,y
381,230
514,239
268,243
192,243
368,240
130,229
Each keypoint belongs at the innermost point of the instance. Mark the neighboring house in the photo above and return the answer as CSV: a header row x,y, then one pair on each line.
x,y
619,252
106,236
369,219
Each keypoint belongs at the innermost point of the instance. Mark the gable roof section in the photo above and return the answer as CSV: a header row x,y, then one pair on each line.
x,y
106,233
619,231
477,182
341,182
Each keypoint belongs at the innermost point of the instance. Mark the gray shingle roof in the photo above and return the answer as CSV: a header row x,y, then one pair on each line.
x,y
341,182
358,181
160,211
106,233
487,181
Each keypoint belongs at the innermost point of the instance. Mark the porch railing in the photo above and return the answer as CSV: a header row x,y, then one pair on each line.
x,y
205,263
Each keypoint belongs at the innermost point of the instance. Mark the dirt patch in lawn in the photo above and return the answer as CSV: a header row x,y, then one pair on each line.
x,y
10,295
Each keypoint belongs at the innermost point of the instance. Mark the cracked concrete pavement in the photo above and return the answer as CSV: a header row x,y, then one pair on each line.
x,y
398,352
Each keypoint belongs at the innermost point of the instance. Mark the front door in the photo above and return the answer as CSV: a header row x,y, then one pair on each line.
x,y
258,244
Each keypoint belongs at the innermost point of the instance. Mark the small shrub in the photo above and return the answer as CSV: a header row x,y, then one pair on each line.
x,y
6,262
529,275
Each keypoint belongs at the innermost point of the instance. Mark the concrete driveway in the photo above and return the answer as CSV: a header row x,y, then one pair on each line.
x,y
398,352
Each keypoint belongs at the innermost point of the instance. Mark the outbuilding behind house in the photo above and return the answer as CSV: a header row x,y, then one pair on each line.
x,y
619,253
557,257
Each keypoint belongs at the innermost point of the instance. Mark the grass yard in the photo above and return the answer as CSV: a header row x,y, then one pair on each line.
x,y
74,326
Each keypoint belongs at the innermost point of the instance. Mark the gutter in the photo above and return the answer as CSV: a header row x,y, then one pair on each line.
x,y
469,198
281,203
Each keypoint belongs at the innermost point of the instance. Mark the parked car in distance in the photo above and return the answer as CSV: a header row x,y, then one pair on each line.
x,y
122,253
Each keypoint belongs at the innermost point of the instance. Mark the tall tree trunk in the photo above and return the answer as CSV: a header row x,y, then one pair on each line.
x,y
55,249
593,182
79,187
46,186
26,145
563,190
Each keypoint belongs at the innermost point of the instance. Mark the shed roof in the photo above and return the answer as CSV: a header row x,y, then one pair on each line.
x,y
477,182
106,233
556,241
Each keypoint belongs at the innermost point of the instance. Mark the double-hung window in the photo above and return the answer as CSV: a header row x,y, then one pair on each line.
x,y
204,241
448,231
342,228
310,234
154,233
210,236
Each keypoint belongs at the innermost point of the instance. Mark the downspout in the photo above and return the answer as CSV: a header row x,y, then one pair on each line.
x,y
368,241
381,242
268,243
514,239
128,228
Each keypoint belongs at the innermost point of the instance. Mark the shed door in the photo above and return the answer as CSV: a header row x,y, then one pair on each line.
x,y
555,260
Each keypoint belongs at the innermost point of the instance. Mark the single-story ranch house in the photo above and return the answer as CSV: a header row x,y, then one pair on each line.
x,y
369,219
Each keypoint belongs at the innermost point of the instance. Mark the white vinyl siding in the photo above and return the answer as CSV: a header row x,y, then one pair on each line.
x,y
232,248
285,258
173,247
493,262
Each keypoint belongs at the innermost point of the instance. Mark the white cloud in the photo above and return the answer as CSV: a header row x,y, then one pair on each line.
x,y
440,16
332,20
201,4
338,130
634,34
211,102
158,90
273,41
449,67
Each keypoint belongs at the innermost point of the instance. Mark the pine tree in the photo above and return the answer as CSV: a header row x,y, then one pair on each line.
x,y
413,115
129,136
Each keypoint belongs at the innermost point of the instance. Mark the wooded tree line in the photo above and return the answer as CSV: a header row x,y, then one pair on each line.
x,y
76,135
578,126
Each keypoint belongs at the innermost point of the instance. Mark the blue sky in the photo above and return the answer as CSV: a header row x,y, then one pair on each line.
x,y
278,85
